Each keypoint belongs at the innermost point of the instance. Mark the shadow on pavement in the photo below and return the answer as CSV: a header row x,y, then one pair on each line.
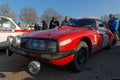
x,y
2,75
12,64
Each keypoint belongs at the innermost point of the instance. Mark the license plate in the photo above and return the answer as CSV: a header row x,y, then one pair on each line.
x,y
19,51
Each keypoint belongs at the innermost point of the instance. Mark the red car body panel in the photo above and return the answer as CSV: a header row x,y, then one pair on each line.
x,y
63,61
62,34
16,30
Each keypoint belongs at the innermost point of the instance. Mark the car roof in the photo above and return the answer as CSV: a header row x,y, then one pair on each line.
x,y
5,17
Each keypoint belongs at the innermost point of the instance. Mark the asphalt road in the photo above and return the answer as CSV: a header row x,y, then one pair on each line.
x,y
104,65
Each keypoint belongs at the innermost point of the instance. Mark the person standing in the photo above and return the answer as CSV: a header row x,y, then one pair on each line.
x,y
113,25
36,27
19,24
44,25
119,28
66,20
53,23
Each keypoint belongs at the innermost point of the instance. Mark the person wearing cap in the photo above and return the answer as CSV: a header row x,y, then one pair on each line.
x,y
113,26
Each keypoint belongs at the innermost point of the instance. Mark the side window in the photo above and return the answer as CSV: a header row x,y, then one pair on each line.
x,y
101,26
6,24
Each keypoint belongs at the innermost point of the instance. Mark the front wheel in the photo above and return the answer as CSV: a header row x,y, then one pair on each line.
x,y
81,57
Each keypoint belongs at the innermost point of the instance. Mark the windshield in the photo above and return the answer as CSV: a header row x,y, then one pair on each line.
x,y
81,23
6,24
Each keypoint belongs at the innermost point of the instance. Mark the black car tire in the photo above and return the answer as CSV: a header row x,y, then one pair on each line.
x,y
81,56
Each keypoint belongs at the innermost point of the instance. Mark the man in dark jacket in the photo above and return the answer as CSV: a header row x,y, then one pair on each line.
x,y
36,27
67,19
53,23
44,25
119,28
113,25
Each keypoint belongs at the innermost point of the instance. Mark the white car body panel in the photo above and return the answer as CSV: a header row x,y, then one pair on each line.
x,y
6,30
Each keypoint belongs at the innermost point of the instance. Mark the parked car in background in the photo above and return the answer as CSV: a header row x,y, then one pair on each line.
x,y
9,28
70,44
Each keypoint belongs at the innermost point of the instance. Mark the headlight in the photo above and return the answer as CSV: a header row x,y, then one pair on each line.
x,y
36,44
10,39
43,45
16,41
52,46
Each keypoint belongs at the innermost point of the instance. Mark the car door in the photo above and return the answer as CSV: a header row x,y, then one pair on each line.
x,y
102,34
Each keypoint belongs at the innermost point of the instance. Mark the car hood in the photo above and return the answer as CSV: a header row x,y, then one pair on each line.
x,y
56,33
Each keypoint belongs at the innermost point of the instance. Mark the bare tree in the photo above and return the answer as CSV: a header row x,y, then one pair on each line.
x,y
105,18
118,16
28,15
49,13
6,11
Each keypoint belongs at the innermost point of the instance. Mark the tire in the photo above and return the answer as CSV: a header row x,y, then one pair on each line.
x,y
81,57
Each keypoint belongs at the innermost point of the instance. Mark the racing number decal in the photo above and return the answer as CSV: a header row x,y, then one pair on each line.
x,y
95,40
105,39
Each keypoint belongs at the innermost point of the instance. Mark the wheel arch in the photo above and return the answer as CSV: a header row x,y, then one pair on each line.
x,y
88,42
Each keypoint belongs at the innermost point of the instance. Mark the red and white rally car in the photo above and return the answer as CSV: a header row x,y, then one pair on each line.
x,y
70,44
9,27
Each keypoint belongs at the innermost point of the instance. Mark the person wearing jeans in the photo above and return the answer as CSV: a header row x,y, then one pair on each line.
x,y
114,25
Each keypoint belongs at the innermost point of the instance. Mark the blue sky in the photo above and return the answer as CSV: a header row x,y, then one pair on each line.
x,y
73,8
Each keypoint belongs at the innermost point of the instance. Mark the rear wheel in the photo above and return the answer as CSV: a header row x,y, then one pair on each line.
x,y
81,57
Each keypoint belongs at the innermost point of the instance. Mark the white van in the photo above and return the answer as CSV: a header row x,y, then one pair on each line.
x,y
9,28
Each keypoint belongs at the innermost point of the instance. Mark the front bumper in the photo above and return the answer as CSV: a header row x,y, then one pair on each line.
x,y
61,58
